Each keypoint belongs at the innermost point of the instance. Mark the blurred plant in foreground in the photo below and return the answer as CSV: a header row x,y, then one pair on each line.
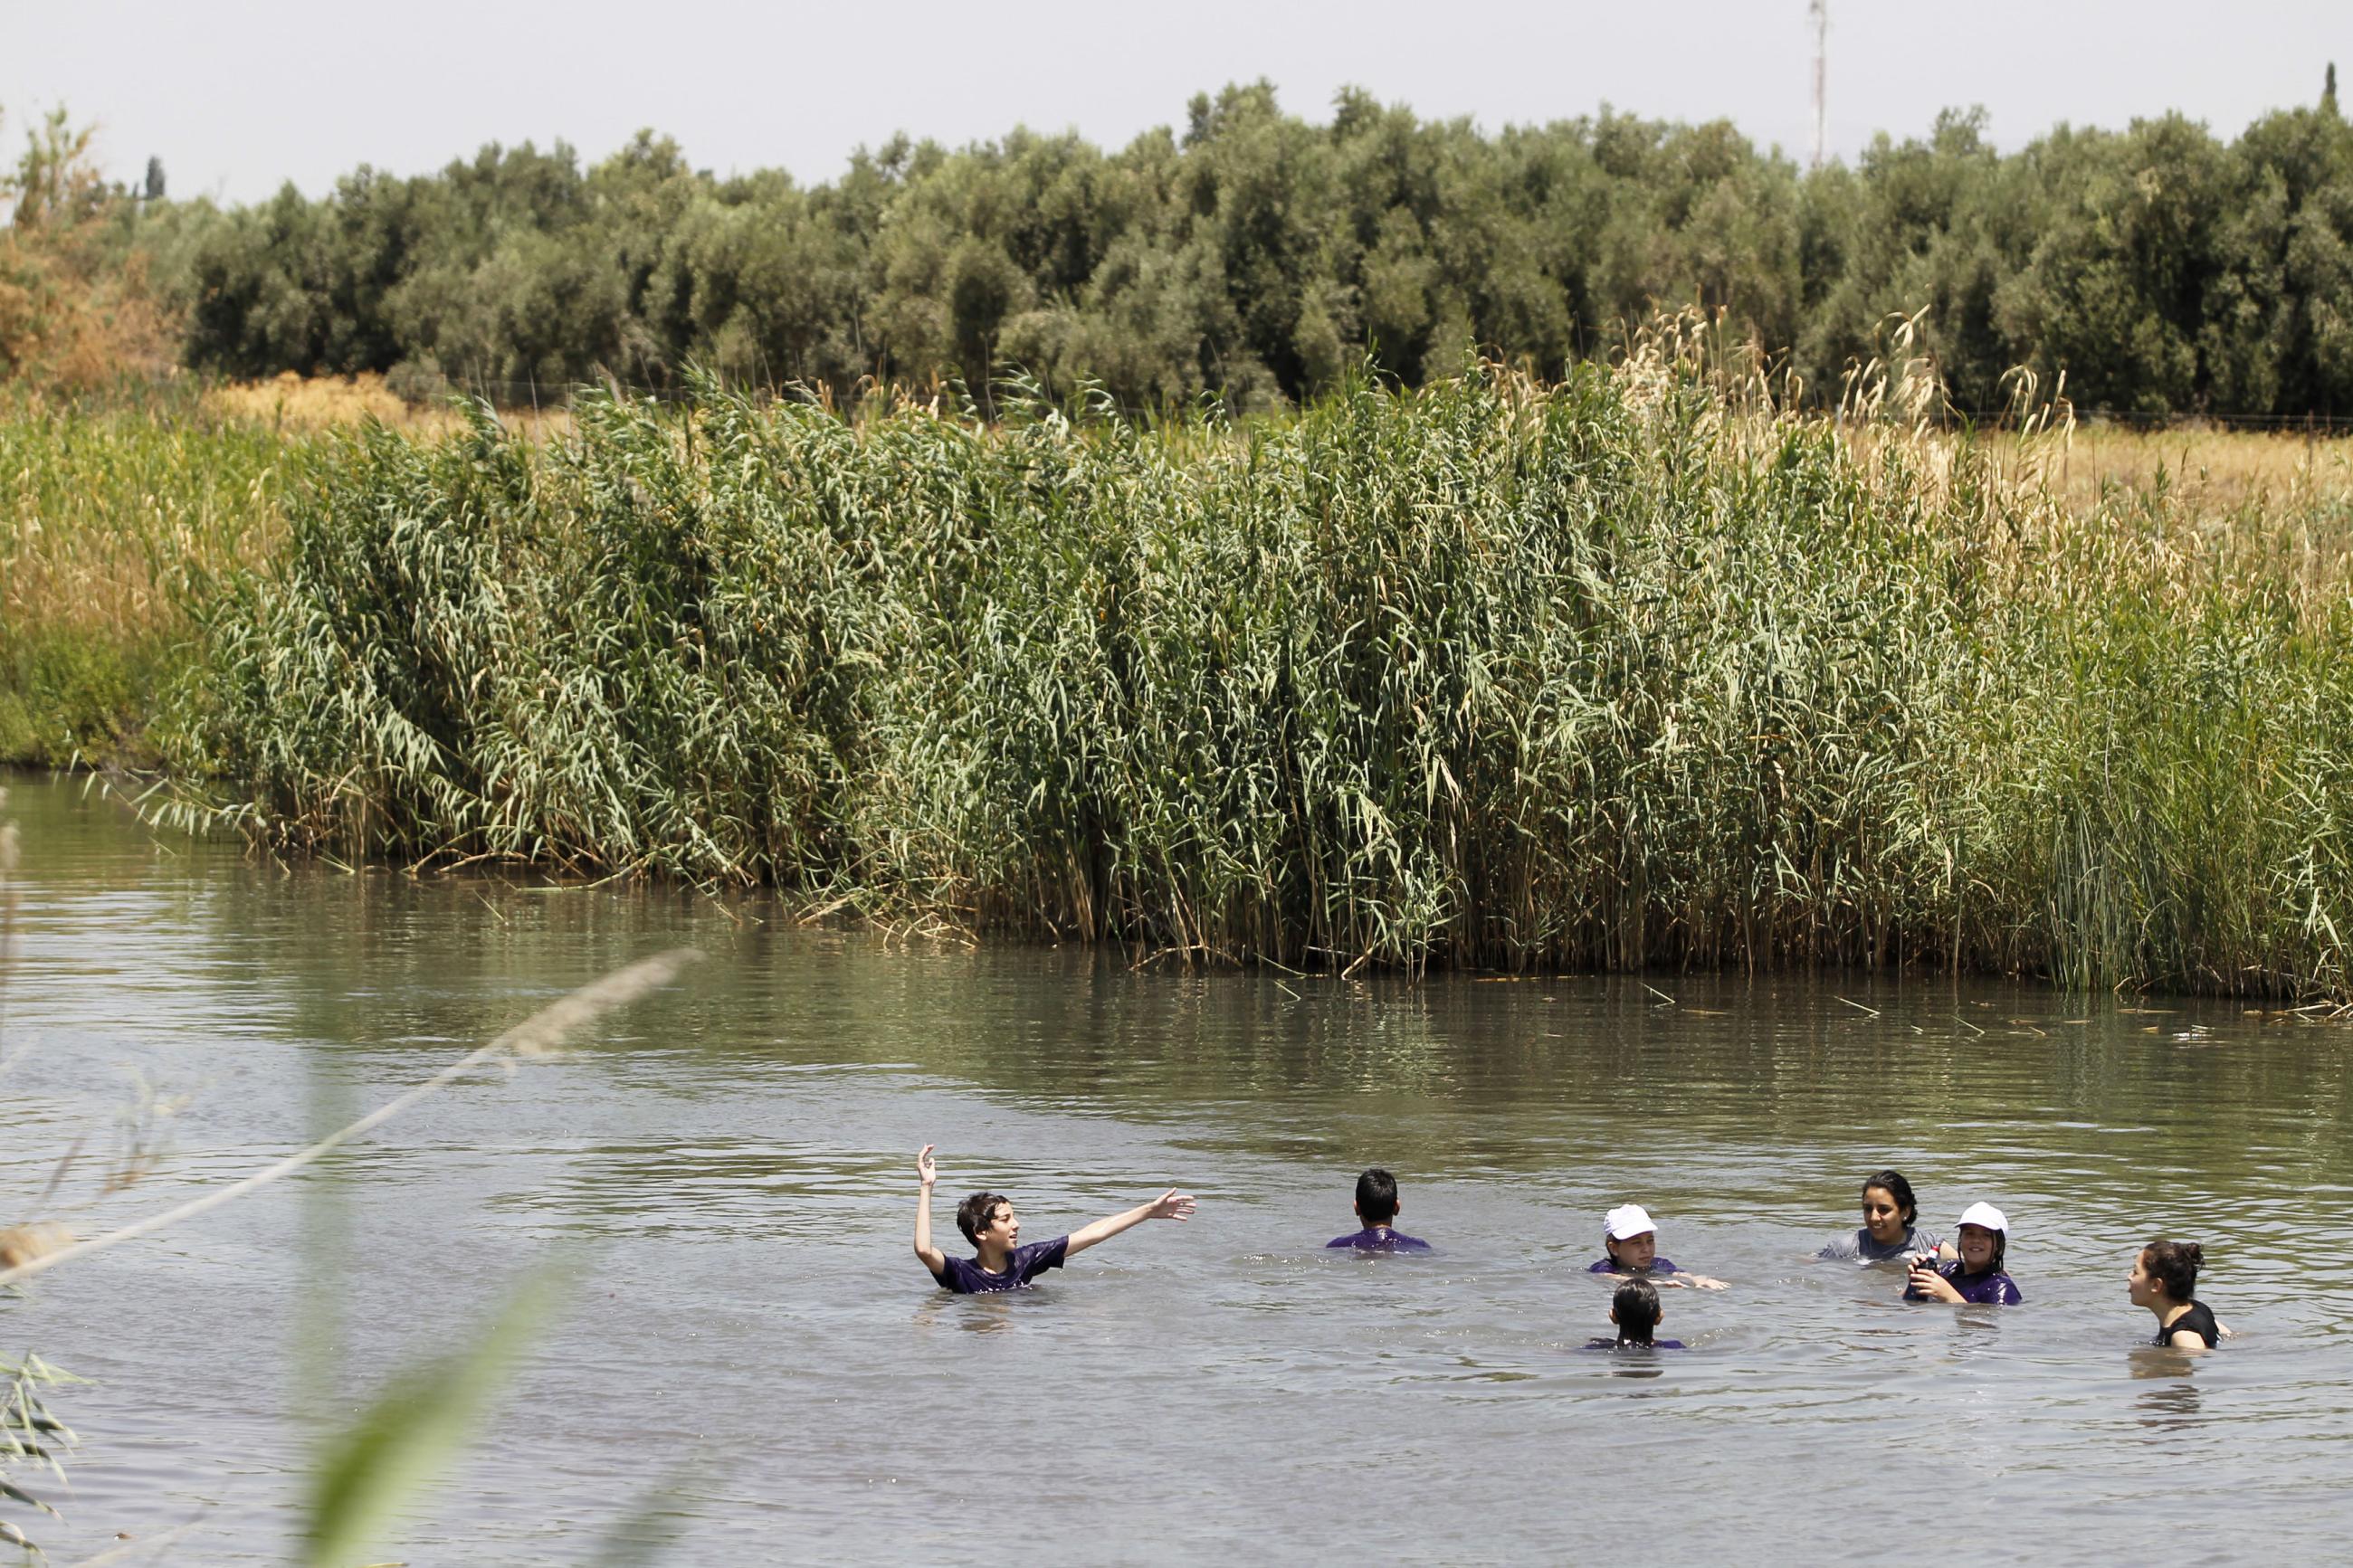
x,y
416,1427
31,1438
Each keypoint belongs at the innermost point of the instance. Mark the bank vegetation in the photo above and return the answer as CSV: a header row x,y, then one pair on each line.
x,y
1637,669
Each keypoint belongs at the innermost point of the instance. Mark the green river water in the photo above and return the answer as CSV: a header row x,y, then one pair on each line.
x,y
731,1165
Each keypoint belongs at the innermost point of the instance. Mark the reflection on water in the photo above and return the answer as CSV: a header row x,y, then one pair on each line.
x,y
2173,1402
737,1159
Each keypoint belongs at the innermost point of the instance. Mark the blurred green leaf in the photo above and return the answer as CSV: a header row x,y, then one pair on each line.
x,y
654,1522
415,1430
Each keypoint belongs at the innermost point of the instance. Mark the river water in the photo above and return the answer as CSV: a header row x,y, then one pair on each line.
x,y
751,1354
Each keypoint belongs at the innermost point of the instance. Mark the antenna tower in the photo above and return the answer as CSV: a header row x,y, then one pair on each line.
x,y
1817,12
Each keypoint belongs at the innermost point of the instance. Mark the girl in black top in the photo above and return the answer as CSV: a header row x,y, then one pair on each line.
x,y
2165,1280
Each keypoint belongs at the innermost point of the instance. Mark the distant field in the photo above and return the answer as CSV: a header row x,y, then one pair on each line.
x,y
2212,474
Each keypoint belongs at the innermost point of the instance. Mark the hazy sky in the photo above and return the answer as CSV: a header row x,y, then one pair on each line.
x,y
236,96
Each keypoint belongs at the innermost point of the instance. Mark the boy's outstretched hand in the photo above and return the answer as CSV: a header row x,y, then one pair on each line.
x,y
1170,1204
926,1172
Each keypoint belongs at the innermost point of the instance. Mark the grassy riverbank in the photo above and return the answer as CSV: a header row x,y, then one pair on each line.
x,y
1614,673
120,515
114,522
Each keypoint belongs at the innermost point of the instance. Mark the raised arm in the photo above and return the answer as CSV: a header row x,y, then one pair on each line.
x,y
934,1258
1170,1204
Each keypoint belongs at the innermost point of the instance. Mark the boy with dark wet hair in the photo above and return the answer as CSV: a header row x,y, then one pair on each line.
x,y
1376,1207
1000,1261
1636,1310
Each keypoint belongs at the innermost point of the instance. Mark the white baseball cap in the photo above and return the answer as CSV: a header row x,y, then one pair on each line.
x,y
1985,1214
1627,1220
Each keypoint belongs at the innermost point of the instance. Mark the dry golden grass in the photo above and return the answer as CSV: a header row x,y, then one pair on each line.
x,y
2213,474
313,403
291,402
2195,501
2209,476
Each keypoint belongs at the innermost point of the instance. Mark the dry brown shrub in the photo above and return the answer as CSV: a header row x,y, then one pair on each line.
x,y
73,321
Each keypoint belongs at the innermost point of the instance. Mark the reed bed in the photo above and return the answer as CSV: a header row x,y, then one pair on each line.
x,y
1633,670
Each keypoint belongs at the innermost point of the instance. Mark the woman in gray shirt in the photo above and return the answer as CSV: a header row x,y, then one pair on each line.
x,y
1889,1225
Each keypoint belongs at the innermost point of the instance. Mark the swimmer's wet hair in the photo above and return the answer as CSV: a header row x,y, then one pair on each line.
x,y
975,1211
1376,1199
1893,1184
2174,1265
1636,1307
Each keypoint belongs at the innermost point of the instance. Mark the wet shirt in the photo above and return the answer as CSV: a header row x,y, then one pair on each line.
x,y
1611,1265
1991,1289
2198,1321
1861,1249
1378,1239
966,1276
1633,1345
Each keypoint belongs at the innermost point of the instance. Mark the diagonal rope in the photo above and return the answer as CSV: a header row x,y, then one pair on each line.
x,y
535,1035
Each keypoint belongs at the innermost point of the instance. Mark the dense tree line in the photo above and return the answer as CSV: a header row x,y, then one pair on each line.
x,y
1255,254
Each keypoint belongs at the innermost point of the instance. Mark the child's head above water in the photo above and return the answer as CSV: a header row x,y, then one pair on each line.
x,y
1377,1197
1888,1209
983,1212
2170,1268
1636,1310
1629,1237
1982,1238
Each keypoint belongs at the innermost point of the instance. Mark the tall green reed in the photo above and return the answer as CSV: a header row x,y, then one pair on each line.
x,y
1628,671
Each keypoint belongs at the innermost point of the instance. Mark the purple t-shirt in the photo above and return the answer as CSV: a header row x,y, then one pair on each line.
x,y
1379,1238
1633,1345
1991,1289
1611,1265
966,1276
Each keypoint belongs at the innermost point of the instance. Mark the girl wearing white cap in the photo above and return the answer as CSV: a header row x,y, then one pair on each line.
x,y
1631,1242
1976,1280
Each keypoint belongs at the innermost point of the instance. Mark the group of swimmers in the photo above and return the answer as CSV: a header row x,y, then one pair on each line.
x,y
1969,1270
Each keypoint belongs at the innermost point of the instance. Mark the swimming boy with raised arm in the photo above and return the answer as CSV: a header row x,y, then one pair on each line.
x,y
1000,1262
1376,1207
